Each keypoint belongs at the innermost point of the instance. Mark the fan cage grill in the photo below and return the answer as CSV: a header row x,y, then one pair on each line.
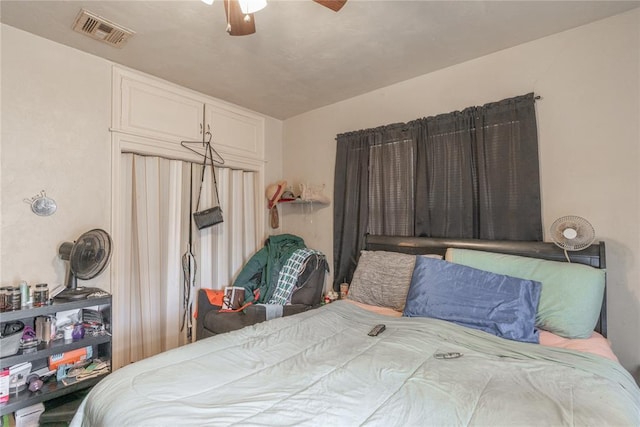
x,y
90,254
585,233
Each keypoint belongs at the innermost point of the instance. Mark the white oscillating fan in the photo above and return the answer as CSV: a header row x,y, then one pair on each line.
x,y
572,233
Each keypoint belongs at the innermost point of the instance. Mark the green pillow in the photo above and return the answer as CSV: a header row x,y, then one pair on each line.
x,y
571,296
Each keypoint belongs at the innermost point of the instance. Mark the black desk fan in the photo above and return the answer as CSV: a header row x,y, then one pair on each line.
x,y
87,257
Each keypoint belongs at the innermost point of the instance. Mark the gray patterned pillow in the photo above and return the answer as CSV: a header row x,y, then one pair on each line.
x,y
382,279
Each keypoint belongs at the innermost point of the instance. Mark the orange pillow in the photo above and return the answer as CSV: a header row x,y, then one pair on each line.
x,y
214,296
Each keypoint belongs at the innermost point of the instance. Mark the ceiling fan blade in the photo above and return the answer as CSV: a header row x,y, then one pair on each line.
x,y
238,24
334,5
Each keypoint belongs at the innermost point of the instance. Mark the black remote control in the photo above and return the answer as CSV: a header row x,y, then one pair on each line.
x,y
376,330
451,355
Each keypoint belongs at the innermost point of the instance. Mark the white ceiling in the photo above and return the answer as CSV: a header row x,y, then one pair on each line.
x,y
304,56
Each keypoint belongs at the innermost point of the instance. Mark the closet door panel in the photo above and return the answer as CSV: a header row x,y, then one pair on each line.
x,y
235,131
152,108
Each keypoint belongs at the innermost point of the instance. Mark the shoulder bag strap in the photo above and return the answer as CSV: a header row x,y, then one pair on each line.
x,y
204,167
209,151
213,172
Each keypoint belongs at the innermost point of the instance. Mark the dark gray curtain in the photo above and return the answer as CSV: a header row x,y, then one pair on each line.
x,y
466,174
391,183
351,197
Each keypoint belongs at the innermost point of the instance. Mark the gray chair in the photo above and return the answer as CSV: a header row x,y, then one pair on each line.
x,y
307,295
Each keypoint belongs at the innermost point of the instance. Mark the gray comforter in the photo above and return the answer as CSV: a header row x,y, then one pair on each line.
x,y
321,368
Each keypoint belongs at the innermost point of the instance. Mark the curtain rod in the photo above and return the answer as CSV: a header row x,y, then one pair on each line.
x,y
180,160
401,126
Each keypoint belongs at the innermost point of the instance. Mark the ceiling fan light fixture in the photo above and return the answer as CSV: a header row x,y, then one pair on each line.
x,y
238,23
251,6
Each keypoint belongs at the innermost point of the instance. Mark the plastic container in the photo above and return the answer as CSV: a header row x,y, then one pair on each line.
x,y
14,299
10,340
3,298
24,293
41,295
43,328
344,290
4,385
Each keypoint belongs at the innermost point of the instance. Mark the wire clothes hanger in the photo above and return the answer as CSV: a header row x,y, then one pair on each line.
x,y
207,152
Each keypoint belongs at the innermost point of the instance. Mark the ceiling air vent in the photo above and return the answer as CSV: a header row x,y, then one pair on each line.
x,y
102,29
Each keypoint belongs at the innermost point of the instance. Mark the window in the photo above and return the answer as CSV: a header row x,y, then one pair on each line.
x,y
466,174
392,188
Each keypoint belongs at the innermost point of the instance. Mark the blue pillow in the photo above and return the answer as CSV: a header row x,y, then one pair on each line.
x,y
501,305
571,296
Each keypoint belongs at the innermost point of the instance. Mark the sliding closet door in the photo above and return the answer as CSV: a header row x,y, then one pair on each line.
x,y
157,198
155,238
222,250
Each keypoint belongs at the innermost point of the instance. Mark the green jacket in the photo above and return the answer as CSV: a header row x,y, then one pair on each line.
x,y
262,269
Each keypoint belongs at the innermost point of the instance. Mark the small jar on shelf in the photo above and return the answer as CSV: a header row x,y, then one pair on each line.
x,y
41,295
14,299
3,298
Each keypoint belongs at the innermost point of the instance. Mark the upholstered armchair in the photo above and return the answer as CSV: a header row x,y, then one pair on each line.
x,y
307,294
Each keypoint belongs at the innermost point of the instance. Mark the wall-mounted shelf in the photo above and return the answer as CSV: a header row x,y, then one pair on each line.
x,y
308,195
302,202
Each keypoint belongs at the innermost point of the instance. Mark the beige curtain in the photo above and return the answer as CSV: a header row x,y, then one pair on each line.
x,y
222,250
149,305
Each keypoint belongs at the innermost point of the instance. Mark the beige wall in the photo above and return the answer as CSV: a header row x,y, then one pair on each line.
x,y
56,114
589,138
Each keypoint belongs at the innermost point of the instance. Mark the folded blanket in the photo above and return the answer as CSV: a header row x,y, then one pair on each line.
x,y
288,277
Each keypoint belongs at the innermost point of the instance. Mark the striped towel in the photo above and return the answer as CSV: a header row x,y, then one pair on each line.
x,y
288,276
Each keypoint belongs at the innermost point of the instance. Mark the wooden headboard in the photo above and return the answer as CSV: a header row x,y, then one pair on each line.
x,y
593,256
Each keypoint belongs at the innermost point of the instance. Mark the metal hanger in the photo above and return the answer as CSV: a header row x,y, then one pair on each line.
x,y
207,149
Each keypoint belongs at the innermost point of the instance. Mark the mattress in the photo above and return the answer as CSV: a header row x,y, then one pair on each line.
x,y
321,368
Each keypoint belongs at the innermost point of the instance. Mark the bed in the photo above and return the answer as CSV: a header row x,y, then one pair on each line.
x,y
321,367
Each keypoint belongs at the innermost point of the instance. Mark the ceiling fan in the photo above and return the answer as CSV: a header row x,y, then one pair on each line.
x,y
240,19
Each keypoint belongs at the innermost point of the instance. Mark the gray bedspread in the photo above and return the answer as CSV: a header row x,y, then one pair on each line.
x,y
321,368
